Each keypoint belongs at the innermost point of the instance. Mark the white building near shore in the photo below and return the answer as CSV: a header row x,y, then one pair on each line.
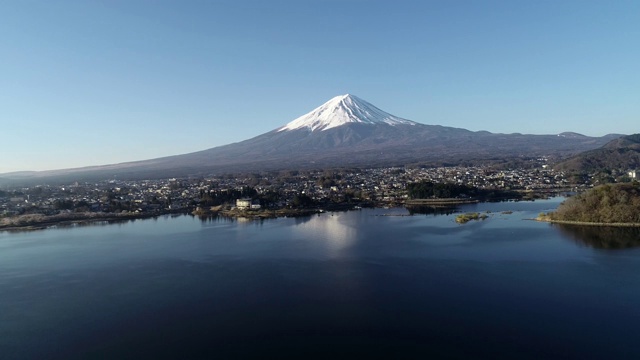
x,y
246,203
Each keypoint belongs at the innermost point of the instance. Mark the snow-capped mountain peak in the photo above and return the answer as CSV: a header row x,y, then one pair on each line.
x,y
342,110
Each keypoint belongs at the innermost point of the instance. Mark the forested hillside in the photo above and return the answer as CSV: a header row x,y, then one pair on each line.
x,y
618,203
428,189
618,155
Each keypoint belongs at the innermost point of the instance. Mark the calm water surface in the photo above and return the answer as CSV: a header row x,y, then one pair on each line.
x,y
361,283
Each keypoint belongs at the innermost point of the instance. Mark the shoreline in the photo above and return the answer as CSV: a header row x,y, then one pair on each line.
x,y
46,222
585,223
40,222
267,214
440,202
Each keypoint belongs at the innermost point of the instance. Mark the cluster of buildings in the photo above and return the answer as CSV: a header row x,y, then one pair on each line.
x,y
380,186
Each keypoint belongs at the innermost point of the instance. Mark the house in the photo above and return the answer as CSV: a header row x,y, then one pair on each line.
x,y
243,204
247,203
634,174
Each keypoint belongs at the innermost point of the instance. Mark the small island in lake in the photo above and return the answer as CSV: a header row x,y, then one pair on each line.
x,y
465,218
605,205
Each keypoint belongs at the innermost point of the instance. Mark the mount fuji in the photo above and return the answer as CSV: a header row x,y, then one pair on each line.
x,y
343,110
344,131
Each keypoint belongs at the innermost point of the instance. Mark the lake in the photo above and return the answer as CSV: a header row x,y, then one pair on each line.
x,y
372,282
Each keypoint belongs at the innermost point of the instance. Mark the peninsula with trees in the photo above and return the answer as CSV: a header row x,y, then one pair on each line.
x,y
605,205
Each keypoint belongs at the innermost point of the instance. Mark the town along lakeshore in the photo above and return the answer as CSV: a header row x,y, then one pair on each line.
x,y
288,192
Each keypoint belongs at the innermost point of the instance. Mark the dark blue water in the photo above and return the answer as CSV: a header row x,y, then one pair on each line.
x,y
340,285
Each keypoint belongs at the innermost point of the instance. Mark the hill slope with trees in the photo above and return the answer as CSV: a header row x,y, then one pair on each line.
x,y
617,155
606,204
431,190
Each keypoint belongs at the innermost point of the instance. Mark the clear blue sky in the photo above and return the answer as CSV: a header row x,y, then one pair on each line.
x,y
97,82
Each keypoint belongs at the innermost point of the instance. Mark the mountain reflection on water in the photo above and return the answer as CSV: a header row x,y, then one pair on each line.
x,y
602,237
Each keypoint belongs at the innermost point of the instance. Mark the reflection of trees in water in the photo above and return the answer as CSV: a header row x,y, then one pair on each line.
x,y
91,223
303,219
215,218
602,237
208,218
431,210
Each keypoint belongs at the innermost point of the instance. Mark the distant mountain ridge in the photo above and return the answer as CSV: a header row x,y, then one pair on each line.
x,y
619,154
345,131
572,135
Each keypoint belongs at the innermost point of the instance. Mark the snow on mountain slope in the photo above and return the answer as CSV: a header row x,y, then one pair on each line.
x,y
342,110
